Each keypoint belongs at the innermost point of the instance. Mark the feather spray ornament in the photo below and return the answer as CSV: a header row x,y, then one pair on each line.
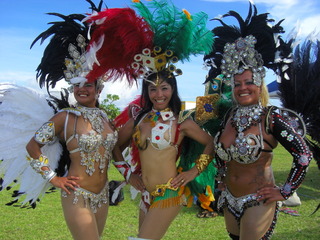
x,y
177,36
120,34
301,92
99,46
52,66
267,35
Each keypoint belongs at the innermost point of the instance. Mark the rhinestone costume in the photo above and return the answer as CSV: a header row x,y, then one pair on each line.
x,y
247,148
90,143
287,128
238,205
94,200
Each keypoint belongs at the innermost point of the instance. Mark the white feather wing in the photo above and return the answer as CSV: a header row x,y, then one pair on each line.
x,y
22,112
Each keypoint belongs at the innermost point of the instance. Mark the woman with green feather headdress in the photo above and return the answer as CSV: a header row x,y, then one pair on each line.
x,y
156,130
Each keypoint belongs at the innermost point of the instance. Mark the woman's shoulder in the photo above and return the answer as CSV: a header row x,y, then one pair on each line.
x,y
72,110
275,114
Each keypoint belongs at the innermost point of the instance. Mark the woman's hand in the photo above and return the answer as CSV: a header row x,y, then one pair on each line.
x,y
136,181
184,177
65,183
269,194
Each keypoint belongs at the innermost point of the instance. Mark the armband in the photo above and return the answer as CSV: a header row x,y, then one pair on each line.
x,y
124,168
42,162
203,161
45,133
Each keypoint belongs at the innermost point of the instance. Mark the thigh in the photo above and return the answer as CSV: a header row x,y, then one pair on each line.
x,y
79,218
231,222
101,217
157,221
256,221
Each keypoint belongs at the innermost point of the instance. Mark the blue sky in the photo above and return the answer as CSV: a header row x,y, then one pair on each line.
x,y
22,21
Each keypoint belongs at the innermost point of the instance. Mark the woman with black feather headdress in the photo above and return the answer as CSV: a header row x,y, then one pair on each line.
x,y
252,129
85,51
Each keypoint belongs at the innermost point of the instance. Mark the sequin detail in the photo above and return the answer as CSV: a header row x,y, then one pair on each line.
x,y
89,150
244,117
45,134
95,200
246,150
95,116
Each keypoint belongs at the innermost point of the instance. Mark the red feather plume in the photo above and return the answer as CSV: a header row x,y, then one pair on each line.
x,y
123,34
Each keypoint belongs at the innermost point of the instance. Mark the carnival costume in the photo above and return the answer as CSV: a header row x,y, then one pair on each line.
x,y
177,35
255,45
80,51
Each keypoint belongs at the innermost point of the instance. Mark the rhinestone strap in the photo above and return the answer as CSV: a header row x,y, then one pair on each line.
x,y
41,165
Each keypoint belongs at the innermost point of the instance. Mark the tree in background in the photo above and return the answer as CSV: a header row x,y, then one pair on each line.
x,y
109,106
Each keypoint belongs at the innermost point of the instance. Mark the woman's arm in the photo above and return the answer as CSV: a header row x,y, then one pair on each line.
x,y
295,144
46,134
125,134
190,129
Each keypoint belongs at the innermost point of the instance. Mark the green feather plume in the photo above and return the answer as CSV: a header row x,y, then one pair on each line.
x,y
175,29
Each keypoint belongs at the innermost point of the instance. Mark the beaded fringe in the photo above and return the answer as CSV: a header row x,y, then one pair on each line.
x,y
173,198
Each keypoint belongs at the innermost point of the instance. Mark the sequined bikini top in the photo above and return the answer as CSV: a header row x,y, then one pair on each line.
x,y
247,147
161,133
90,143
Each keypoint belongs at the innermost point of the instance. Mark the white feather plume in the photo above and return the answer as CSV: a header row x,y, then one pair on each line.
x,y
22,112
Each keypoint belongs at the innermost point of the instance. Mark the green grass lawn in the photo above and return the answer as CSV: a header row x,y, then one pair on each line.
x,y
47,222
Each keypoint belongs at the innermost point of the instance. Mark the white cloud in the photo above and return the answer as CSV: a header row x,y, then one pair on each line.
x,y
301,14
121,88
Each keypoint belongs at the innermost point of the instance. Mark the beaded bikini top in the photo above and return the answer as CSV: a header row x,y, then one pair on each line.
x,y
161,133
246,148
90,143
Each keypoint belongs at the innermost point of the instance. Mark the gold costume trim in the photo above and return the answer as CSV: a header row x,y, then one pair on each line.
x,y
203,161
160,189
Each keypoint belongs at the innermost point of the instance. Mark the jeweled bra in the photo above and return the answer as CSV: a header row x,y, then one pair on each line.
x,y
90,143
247,148
158,130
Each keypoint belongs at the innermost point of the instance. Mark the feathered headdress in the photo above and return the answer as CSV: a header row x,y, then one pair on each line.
x,y
177,36
99,46
52,66
255,43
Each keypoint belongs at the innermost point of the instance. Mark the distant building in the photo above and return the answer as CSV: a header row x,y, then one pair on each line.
x,y
188,105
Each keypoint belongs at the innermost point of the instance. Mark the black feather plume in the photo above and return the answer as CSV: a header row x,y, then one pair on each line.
x,y
257,25
52,65
63,33
301,91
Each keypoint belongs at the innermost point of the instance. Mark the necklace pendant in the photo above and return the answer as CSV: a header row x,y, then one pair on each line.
x,y
245,117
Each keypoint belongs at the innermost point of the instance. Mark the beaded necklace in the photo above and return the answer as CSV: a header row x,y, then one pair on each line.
x,y
153,116
246,116
95,116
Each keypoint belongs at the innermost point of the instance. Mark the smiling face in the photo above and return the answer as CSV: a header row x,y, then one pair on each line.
x,y
160,95
86,95
245,91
